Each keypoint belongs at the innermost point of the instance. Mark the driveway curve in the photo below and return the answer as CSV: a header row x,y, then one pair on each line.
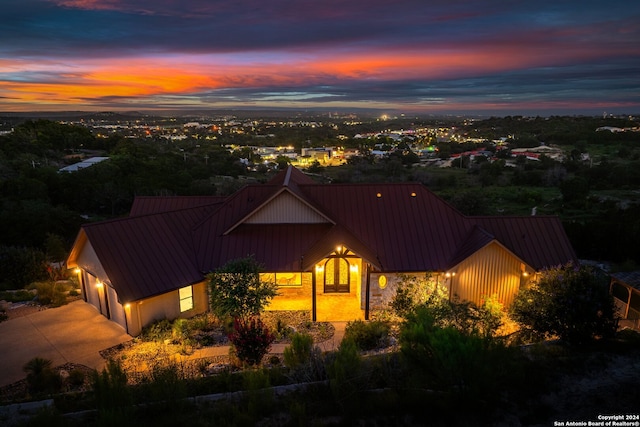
x,y
75,333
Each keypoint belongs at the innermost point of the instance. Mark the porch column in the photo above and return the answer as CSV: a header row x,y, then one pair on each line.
x,y
313,296
368,292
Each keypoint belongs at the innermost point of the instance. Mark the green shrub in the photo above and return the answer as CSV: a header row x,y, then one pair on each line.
x,y
51,293
41,377
21,266
113,397
157,331
571,303
450,359
345,373
20,295
412,292
368,335
251,340
299,352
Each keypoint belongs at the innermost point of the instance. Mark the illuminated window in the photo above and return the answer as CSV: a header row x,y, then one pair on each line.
x,y
186,299
336,275
282,279
382,281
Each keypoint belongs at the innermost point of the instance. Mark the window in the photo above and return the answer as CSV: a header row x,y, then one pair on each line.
x,y
336,275
186,298
283,279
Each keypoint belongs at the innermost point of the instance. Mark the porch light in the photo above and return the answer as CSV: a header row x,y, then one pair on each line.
x,y
353,268
413,194
319,268
378,195
98,284
525,274
77,271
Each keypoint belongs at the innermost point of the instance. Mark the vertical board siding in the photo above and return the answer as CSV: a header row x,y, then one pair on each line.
x,y
491,271
286,209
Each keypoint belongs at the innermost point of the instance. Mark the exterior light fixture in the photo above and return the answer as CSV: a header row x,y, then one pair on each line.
x,y
99,284
353,268
319,268
127,306
413,194
77,271
378,195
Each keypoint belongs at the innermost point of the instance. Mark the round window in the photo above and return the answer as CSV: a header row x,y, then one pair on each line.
x,y
382,281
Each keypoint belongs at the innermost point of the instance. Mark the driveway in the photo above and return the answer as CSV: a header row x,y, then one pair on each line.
x,y
76,333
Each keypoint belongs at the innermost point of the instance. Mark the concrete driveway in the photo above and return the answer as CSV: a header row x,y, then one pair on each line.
x,y
76,333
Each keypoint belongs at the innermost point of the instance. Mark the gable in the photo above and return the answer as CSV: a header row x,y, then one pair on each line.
x,y
285,208
491,271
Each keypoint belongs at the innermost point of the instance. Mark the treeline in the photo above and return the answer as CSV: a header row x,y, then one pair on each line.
x,y
37,202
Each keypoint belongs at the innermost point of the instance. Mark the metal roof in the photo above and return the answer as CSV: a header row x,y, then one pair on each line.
x,y
397,227
143,205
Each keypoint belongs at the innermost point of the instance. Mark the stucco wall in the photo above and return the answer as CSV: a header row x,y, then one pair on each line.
x,y
165,306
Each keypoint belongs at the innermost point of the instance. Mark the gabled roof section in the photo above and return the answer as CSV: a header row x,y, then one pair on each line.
x,y
283,202
540,241
335,236
290,176
405,225
144,205
147,255
475,240
286,208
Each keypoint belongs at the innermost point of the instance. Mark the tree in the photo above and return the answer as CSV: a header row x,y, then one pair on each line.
x,y
574,189
570,302
237,290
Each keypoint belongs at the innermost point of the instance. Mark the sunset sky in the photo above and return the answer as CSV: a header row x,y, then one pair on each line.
x,y
434,56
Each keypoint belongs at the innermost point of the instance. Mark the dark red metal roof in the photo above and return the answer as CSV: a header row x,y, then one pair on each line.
x,y
147,255
540,241
143,205
399,227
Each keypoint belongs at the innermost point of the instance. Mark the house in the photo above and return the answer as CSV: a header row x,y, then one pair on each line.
x,y
335,250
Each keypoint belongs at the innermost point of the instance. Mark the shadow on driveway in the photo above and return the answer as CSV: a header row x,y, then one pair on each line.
x,y
75,333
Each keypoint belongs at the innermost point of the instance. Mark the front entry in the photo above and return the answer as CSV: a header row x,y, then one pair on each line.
x,y
338,287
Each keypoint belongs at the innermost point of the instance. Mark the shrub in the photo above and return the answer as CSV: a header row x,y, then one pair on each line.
x,y
449,358
251,340
345,374
571,303
158,331
299,352
51,293
41,377
16,296
368,335
412,292
110,389
21,266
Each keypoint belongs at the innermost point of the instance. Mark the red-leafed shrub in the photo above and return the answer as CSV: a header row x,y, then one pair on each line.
x,y
251,340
